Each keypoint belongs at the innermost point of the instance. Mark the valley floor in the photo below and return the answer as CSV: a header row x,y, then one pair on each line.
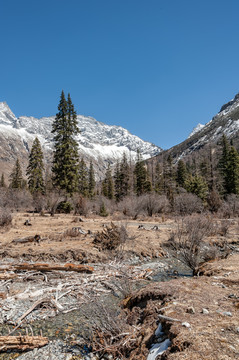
x,y
74,307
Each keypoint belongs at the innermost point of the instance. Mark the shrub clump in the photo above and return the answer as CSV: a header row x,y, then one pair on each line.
x,y
111,237
186,204
5,218
103,212
64,207
187,241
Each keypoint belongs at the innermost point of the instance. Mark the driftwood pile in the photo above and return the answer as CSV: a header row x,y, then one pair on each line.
x,y
28,288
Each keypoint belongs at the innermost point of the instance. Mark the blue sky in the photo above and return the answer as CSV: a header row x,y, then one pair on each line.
x,y
155,67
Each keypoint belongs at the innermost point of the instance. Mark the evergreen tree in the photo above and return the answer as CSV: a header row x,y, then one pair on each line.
x,y
65,160
158,181
232,172
181,173
103,211
117,182
197,185
108,185
223,162
35,168
83,178
124,176
122,179
169,179
229,167
16,179
142,183
91,180
2,181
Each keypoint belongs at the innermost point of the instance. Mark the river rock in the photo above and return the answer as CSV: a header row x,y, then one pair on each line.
x,y
227,313
191,310
186,324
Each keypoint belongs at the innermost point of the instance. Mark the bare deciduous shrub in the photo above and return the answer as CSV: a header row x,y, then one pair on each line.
x,y
230,207
154,204
187,241
214,201
16,199
95,205
5,218
132,206
186,204
223,227
39,202
108,328
53,199
80,205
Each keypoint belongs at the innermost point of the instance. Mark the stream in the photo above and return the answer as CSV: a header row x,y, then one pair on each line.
x,y
73,330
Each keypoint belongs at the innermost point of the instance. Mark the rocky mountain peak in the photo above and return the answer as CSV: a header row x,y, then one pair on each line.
x,y
97,141
227,107
6,115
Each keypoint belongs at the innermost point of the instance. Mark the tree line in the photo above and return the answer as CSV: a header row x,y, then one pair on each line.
x,y
211,177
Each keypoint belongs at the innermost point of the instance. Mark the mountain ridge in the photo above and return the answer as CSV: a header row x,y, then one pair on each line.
x,y
97,141
226,122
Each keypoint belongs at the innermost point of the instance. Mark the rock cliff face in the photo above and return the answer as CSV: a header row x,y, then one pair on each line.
x,y
97,141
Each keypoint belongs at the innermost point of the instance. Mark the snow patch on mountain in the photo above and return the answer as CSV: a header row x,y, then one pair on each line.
x,y
196,129
96,139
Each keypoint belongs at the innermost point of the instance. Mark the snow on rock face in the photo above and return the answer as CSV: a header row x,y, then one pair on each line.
x,y
225,122
97,141
6,115
196,129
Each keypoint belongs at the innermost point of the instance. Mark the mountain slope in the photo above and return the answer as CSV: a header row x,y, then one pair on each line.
x,y
97,141
225,122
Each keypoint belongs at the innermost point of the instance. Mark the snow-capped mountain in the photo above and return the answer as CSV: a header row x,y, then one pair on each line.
x,y
97,141
225,122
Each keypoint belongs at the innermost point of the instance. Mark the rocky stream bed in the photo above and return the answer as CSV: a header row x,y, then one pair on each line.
x,y
67,307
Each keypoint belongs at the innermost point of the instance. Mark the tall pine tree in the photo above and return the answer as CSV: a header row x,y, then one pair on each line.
x,y
181,173
91,180
142,182
229,167
117,182
108,185
232,172
83,178
16,179
35,168
65,160
124,176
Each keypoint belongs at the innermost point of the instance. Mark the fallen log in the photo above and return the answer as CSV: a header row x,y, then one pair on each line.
x,y
22,342
6,276
52,267
35,239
